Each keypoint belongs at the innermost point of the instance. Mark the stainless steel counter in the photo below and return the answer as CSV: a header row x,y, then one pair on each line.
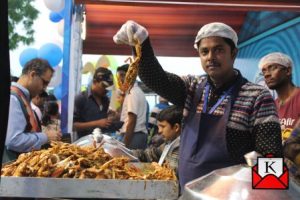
x,y
234,183
87,188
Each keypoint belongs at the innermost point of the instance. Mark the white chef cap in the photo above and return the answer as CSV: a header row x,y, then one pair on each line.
x,y
278,58
216,29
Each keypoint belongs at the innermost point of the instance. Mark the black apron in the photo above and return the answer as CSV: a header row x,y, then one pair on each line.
x,y
203,148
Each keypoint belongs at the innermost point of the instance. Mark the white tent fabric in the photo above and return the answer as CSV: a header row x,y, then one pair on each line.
x,y
75,67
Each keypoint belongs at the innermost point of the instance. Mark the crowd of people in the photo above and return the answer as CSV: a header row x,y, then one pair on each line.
x,y
200,124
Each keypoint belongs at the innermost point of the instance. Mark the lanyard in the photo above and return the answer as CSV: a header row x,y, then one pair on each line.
x,y
206,94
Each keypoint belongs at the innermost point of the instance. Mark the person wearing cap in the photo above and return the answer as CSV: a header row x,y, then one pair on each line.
x,y
133,114
23,132
91,107
277,70
225,116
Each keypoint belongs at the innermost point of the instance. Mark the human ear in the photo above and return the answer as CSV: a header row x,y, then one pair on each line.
x,y
289,70
176,127
32,74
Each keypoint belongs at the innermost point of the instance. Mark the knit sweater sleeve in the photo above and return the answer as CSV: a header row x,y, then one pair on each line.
x,y
266,129
151,154
168,85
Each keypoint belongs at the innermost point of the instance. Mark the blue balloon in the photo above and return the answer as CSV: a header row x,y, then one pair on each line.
x,y
58,92
52,53
55,17
27,55
62,13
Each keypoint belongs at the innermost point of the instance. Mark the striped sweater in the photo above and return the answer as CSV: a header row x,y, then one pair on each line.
x,y
253,123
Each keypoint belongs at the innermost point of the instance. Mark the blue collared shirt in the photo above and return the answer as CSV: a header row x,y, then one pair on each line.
x,y
16,139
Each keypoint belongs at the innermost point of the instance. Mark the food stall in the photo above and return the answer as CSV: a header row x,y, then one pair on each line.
x,y
91,187
70,171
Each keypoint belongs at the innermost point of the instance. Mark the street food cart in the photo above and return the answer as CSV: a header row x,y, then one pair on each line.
x,y
82,183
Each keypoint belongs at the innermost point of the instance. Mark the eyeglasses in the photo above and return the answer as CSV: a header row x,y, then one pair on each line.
x,y
272,68
45,82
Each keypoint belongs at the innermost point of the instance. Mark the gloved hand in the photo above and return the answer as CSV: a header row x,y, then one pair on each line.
x,y
131,33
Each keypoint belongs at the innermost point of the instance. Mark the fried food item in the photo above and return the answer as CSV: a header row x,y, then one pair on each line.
x,y
132,71
65,160
151,172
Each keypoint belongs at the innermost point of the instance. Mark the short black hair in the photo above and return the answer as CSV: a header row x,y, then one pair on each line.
x,y
230,43
101,71
14,78
43,94
172,115
123,68
50,108
51,97
40,66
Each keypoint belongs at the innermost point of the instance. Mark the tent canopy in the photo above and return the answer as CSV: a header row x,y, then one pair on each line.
x,y
172,25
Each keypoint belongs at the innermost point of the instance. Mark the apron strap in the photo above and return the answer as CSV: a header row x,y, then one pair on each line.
x,y
199,91
29,113
222,97
232,91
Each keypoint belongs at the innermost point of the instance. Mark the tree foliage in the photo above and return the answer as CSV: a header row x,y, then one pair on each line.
x,y
21,16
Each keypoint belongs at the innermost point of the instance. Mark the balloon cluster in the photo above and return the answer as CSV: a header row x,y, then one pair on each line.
x,y
57,8
50,51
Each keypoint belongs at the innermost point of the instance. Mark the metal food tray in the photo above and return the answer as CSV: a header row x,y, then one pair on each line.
x,y
87,188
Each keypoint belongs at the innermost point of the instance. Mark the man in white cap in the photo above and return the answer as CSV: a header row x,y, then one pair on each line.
x,y
277,70
225,116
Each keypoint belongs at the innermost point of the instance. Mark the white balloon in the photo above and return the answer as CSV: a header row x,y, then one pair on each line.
x,y
57,77
55,5
60,27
